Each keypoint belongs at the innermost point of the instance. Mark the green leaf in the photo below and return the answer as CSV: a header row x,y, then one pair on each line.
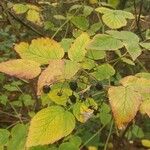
x,y
125,36
125,102
20,8
41,50
76,140
62,98
26,99
104,71
134,50
68,146
88,64
145,45
104,42
4,136
77,51
80,22
3,99
66,43
49,125
87,10
105,118
70,69
114,3
128,61
137,132
95,55
21,68
18,137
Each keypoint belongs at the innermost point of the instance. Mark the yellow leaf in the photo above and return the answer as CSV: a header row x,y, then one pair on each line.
x,y
142,85
145,107
20,8
146,143
41,50
50,125
34,16
78,48
59,96
21,68
125,102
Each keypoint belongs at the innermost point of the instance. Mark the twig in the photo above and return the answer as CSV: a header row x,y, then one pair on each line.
x,y
137,18
110,131
93,136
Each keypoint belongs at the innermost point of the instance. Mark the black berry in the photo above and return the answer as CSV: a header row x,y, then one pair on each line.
x,y
46,88
95,112
59,93
112,83
72,98
99,86
73,85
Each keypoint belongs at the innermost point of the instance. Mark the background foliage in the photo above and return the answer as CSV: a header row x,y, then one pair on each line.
x,y
74,74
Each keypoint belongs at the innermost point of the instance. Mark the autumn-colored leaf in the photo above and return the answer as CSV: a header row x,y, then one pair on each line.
x,y
21,68
50,125
51,74
141,85
41,50
145,107
78,48
125,102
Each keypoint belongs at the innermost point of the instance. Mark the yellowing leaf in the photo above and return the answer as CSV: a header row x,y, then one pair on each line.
x,y
34,16
146,143
114,19
125,102
41,50
20,8
103,10
77,51
141,85
59,96
133,49
145,45
51,74
71,68
143,75
145,107
82,111
50,125
24,69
